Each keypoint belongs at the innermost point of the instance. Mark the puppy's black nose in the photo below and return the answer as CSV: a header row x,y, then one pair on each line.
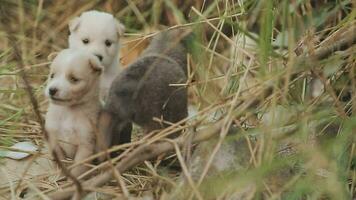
x,y
99,56
52,91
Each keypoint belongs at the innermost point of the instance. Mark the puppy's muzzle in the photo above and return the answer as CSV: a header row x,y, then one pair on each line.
x,y
99,56
53,91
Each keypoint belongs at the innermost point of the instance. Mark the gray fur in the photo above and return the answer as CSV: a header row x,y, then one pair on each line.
x,y
141,91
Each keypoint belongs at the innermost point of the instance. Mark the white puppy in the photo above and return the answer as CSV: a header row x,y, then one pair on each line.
x,y
98,33
73,91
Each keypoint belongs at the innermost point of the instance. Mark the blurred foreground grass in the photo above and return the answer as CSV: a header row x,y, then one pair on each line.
x,y
300,129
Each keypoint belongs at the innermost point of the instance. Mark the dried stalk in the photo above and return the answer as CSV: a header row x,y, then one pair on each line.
x,y
35,107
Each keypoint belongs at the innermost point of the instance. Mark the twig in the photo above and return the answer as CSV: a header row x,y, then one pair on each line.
x,y
140,154
186,171
35,107
345,41
149,151
225,129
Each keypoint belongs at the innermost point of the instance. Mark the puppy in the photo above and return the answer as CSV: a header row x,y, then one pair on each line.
x,y
73,91
99,33
142,91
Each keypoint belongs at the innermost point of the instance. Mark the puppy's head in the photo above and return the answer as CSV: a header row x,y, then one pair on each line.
x,y
74,78
123,91
97,32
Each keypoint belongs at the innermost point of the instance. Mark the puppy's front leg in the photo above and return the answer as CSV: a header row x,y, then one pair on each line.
x,y
55,147
103,136
59,151
83,152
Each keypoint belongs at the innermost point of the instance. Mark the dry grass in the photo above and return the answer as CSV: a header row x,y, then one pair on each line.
x,y
257,94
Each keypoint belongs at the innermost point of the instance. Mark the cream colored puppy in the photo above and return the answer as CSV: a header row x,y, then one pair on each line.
x,y
73,91
99,33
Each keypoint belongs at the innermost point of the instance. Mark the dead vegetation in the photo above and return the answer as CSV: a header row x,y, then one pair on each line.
x,y
272,89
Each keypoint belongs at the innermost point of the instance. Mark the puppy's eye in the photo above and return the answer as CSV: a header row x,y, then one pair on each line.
x,y
73,79
108,43
85,41
52,75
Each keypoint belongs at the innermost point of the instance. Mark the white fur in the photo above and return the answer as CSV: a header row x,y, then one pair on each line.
x,y
98,27
71,119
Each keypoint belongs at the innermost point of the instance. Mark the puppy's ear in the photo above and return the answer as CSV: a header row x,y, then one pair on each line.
x,y
120,28
95,65
74,24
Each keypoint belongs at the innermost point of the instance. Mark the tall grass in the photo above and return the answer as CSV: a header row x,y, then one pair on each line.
x,y
291,144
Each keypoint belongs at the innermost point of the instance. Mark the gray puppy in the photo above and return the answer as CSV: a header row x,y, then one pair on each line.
x,y
142,91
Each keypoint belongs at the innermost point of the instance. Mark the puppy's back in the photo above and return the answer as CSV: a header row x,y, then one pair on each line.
x,y
144,91
170,43
148,82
